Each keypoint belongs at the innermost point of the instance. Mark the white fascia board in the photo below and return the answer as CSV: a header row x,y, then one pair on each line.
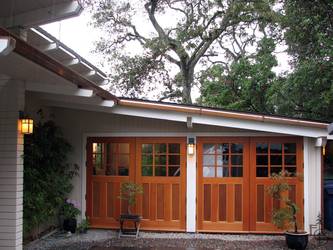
x,y
222,122
93,103
71,62
261,126
46,15
89,74
155,114
57,89
48,47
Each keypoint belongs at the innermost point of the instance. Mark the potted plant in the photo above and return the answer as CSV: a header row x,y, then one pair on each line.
x,y
128,192
285,216
70,210
83,226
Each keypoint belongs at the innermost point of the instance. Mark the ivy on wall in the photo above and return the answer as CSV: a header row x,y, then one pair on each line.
x,y
47,175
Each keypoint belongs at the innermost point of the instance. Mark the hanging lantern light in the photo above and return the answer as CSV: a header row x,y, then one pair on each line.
x,y
190,146
26,124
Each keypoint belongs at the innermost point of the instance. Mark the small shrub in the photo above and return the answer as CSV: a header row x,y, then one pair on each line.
x,y
128,192
83,226
70,209
284,217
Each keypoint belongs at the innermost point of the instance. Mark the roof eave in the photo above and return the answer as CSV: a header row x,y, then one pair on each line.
x,y
29,52
227,114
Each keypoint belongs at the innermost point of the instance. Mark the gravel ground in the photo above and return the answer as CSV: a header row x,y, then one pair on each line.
x,y
108,239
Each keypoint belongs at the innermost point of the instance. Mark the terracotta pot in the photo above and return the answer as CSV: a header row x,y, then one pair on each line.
x,y
297,241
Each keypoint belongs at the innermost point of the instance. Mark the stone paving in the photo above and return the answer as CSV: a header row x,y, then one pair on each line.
x,y
108,239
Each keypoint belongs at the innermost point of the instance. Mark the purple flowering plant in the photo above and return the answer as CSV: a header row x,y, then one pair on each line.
x,y
71,209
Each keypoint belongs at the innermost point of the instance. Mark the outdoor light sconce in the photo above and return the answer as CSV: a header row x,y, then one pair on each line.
x,y
190,146
26,124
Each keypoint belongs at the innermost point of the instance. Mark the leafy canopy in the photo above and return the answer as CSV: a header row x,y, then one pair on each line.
x,y
179,37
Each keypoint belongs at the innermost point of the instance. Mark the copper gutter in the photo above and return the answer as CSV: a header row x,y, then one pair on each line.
x,y
221,113
29,52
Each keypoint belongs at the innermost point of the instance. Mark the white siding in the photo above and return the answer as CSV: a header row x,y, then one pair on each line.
x,y
312,182
11,165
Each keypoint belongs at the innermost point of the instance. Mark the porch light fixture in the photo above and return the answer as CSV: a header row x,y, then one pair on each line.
x,y
26,124
190,146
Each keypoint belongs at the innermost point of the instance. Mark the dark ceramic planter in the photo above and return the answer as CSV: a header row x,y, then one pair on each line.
x,y
297,241
70,225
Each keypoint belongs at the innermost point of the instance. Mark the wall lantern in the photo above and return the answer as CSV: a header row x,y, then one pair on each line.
x,y
190,146
26,124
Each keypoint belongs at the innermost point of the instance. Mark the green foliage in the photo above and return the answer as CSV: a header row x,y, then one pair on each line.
x,y
246,85
128,192
283,217
83,226
198,33
70,209
308,91
47,175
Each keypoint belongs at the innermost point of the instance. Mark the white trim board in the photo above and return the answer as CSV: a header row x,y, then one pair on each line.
x,y
268,127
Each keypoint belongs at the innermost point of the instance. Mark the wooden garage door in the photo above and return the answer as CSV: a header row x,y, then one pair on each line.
x,y
223,187
158,164
110,161
269,156
233,176
161,171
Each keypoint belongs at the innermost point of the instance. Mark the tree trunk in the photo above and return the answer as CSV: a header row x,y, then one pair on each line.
x,y
188,75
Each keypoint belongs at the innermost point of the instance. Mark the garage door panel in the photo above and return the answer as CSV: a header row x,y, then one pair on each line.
x,y
161,170
221,186
269,154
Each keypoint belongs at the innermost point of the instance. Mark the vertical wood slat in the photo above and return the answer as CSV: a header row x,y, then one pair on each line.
x,y
268,206
214,208
145,201
207,202
292,193
160,201
116,192
260,203
167,202
222,202
96,199
110,200
175,201
238,202
231,202
153,201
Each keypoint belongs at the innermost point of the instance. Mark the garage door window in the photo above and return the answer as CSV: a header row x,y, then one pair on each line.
x,y
160,159
222,160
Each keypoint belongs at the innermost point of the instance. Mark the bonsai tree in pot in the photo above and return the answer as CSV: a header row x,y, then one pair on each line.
x,y
70,210
285,216
129,192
